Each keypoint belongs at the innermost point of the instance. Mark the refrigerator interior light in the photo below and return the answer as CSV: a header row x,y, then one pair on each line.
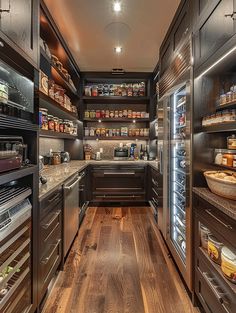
x,y
217,62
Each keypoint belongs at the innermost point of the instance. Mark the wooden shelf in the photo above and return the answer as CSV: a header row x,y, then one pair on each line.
x,y
116,100
62,81
116,138
55,108
226,167
51,134
113,120
229,105
224,127
218,270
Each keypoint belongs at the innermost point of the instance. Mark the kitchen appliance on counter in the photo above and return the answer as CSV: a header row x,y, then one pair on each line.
x,y
71,209
65,157
42,178
121,153
13,153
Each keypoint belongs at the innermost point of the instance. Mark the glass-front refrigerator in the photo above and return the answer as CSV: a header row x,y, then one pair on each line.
x,y
178,191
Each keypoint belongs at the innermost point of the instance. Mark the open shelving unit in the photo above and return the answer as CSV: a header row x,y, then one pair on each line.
x,y
52,134
116,138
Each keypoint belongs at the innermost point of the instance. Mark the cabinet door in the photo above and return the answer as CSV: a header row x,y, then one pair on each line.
x,y
214,30
20,25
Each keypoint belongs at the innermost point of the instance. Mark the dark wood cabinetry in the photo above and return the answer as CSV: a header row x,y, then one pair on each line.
x,y
50,240
118,183
155,193
179,31
214,27
19,25
215,292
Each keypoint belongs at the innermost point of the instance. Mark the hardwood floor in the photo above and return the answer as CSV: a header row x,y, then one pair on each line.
x,y
118,265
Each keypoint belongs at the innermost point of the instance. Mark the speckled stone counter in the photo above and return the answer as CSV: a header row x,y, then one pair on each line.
x,y
57,174
224,205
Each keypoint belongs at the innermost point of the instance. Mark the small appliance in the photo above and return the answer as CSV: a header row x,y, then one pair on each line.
x,y
65,157
121,153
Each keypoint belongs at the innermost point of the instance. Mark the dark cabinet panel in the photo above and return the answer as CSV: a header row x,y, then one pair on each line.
x,y
20,25
214,30
118,183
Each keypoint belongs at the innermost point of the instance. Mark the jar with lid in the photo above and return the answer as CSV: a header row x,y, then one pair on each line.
x,y
130,132
110,132
44,118
56,124
92,132
137,133
86,114
103,114
228,264
61,126
120,114
98,132
143,114
125,113
141,133
204,234
103,132
229,96
116,114
94,91
214,249
117,132
112,114
92,114
138,115
66,126
146,132
134,114
107,113
130,114
86,132
231,142
234,161
223,99
227,159
98,114
71,126
114,132
50,122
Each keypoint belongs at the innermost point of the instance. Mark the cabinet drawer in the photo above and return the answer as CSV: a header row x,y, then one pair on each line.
x,y
51,202
216,220
211,289
50,229
119,197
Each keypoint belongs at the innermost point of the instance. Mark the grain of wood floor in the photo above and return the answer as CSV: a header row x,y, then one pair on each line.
x,y
117,265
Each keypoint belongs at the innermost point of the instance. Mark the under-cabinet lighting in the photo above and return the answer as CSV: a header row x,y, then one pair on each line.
x,y
99,121
117,6
134,121
217,62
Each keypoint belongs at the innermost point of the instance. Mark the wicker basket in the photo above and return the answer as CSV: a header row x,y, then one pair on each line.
x,y
221,187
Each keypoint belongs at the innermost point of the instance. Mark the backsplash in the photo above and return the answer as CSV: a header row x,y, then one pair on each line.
x,y
45,144
108,146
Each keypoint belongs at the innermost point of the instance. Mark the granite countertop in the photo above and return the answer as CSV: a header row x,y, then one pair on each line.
x,y
57,174
224,205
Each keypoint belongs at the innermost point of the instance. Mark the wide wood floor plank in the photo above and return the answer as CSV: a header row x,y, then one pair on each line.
x,y
118,264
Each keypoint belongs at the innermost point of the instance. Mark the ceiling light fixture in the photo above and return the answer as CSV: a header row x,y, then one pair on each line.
x,y
117,6
118,49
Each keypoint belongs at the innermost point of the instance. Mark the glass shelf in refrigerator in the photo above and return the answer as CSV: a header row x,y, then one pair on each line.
x,y
178,161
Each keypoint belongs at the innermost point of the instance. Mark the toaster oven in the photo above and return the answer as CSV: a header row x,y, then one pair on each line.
x,y
13,153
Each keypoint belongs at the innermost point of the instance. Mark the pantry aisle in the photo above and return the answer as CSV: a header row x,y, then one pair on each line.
x,y
118,265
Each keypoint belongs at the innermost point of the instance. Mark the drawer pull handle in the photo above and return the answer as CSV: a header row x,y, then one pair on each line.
x,y
219,296
155,182
55,216
119,173
56,197
218,220
45,261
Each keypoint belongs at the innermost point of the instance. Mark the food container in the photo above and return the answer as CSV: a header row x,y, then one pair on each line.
x,y
51,91
231,142
227,159
92,132
116,114
130,114
222,183
4,91
107,114
50,122
43,118
103,115
43,82
228,264
87,91
59,65
61,126
98,113
59,94
54,59
112,114
204,234
56,158
66,126
125,113
86,131
234,161
56,124
94,91
86,114
214,249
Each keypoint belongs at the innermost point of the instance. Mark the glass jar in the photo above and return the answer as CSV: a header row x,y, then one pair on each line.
x,y
223,99
110,132
141,133
214,249
92,132
112,114
146,132
134,114
98,114
44,118
228,264
130,132
103,132
92,114
137,132
130,114
125,113
86,132
66,126
98,132
229,96
138,115
94,91
116,114
61,126
107,114
204,234
56,124
234,161
103,114
71,126
86,114
227,159
120,114
231,142
143,114
50,122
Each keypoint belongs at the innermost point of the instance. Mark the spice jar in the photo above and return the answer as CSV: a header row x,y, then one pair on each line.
x,y
129,113
92,114
116,114
120,114
44,118
125,113
61,126
223,99
103,114
134,114
138,115
231,142
214,249
228,264
66,126
227,159
98,113
229,96
107,114
86,131
204,234
94,91
112,114
50,122
103,132
98,132
86,114
56,124
92,132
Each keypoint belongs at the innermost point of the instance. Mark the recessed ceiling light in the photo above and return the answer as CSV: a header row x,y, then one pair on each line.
x,y
117,6
118,49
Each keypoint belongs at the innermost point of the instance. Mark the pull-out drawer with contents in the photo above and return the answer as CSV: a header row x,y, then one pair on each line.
x,y
50,239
